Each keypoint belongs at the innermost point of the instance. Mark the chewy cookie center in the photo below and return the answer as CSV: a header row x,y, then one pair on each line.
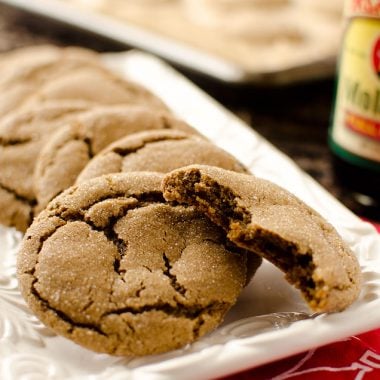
x,y
221,205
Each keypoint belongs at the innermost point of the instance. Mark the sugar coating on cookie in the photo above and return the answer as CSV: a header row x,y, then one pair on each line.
x,y
22,136
96,84
19,64
158,151
20,86
72,78
268,220
72,147
112,266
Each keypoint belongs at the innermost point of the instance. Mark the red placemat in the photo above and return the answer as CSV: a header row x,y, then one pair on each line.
x,y
354,358
377,225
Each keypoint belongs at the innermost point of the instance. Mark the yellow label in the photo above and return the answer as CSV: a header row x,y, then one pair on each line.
x,y
356,125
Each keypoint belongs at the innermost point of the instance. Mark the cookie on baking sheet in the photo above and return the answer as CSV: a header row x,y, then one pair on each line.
x,y
22,136
268,220
72,79
158,151
248,19
113,267
73,146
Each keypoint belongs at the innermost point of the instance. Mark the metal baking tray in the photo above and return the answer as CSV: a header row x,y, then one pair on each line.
x,y
179,53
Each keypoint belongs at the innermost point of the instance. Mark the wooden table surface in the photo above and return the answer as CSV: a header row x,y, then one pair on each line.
x,y
293,118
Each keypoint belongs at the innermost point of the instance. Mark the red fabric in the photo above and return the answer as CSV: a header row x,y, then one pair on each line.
x,y
354,358
377,226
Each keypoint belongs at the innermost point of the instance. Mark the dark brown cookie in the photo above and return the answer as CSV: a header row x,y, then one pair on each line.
x,y
112,266
158,151
73,146
269,221
21,139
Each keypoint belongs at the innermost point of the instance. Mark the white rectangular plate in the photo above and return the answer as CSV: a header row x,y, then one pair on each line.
x,y
270,320
321,64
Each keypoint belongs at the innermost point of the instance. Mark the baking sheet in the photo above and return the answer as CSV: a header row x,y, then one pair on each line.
x,y
270,320
318,62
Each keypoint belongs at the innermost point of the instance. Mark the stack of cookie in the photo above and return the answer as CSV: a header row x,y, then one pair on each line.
x,y
140,233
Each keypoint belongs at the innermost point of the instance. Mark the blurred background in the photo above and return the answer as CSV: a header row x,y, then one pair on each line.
x,y
283,55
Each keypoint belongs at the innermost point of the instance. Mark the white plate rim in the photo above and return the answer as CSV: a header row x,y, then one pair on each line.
x,y
208,357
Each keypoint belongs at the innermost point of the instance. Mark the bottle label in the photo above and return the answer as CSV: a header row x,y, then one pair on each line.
x,y
362,7
356,125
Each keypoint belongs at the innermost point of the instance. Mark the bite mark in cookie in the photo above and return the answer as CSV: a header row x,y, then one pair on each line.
x,y
112,266
269,221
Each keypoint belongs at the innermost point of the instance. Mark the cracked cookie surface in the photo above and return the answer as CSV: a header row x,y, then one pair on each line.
x,y
71,77
22,136
158,151
271,222
113,267
22,62
73,146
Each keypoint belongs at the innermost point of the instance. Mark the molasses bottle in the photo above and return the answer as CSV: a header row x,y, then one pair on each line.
x,y
354,136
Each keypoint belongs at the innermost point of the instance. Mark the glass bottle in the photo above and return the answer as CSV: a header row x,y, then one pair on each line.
x,y
354,136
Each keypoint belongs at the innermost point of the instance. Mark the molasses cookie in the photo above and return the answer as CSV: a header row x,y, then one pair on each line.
x,y
158,151
71,79
19,64
248,19
22,136
113,267
73,146
271,222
